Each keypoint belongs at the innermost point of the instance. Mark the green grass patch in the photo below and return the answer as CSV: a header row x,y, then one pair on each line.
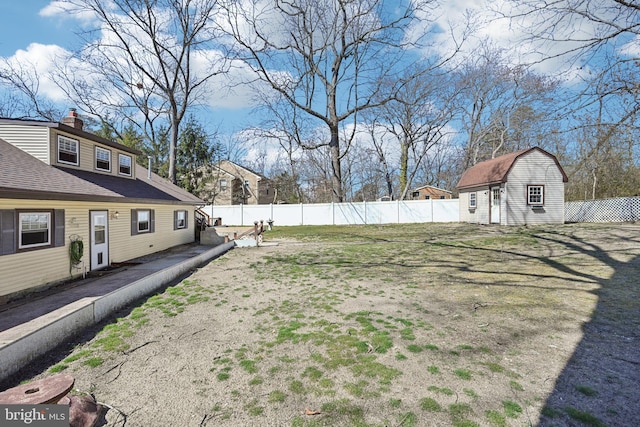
x,y
249,366
584,417
58,368
395,403
77,356
472,394
443,390
429,404
463,374
277,396
511,409
414,348
433,370
516,385
495,367
94,362
586,390
495,418
431,347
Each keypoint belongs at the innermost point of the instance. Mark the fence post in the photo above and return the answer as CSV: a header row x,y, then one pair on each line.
x,y
301,214
365,213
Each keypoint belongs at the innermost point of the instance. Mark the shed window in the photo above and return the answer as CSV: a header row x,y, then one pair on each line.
x,y
35,229
535,195
67,150
103,159
124,164
472,200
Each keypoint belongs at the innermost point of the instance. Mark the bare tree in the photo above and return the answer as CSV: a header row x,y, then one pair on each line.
x,y
327,58
23,98
598,40
415,121
147,58
491,94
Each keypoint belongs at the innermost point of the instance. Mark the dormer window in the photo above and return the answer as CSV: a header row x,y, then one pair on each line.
x,y
67,150
103,159
124,163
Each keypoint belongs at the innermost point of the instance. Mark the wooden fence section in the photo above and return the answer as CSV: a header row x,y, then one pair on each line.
x,y
621,209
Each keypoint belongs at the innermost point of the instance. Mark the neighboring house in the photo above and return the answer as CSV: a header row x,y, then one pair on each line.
x,y
524,187
427,192
232,184
59,186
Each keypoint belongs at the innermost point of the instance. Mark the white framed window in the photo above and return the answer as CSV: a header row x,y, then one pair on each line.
x,y
472,200
144,221
246,183
124,164
180,220
103,159
535,195
68,150
34,229
223,185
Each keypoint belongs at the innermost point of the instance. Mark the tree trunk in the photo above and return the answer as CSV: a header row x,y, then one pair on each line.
x,y
336,172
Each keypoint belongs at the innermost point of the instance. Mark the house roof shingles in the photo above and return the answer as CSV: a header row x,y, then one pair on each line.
x,y
495,171
24,176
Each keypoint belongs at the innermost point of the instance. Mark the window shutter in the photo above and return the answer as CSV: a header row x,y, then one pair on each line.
x,y
175,220
186,219
134,222
7,232
58,236
152,219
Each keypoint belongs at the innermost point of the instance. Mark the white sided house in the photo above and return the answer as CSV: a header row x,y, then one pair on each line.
x,y
520,188
72,202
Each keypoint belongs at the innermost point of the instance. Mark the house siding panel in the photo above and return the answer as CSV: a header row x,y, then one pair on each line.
x,y
30,139
43,267
87,157
535,168
479,215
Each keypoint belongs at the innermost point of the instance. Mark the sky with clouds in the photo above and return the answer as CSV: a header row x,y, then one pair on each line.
x,y
38,31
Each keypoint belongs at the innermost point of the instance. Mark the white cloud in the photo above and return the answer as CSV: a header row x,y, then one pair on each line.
x,y
67,10
35,64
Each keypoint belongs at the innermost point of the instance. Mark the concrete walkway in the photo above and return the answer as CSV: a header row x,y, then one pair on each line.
x,y
30,328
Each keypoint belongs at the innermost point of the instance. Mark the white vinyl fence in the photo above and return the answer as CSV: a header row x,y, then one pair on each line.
x,y
394,212
622,209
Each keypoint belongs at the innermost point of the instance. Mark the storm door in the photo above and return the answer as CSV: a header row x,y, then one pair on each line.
x,y
99,240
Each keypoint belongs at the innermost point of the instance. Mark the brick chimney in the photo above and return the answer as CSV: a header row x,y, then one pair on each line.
x,y
73,120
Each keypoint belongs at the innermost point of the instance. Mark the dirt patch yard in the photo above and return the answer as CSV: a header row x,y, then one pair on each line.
x,y
412,325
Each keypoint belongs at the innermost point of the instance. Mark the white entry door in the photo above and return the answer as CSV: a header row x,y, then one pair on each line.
x,y
99,240
495,205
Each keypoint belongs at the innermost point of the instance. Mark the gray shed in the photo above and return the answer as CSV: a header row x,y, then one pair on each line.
x,y
520,188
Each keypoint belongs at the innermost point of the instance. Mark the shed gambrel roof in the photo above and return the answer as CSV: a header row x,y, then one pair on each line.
x,y
496,171
23,176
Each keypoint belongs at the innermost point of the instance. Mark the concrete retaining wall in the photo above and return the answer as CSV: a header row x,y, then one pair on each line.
x,y
51,330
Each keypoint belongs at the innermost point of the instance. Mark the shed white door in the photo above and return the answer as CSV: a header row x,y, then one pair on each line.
x,y
495,205
99,240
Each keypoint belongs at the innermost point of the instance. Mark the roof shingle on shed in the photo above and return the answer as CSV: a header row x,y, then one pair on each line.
x,y
495,171
23,176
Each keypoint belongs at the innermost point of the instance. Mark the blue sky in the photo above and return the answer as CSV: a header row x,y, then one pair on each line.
x,y
21,25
